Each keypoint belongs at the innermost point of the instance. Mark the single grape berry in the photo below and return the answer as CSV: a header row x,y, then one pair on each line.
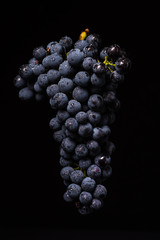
x,y
43,80
94,39
37,88
123,65
73,107
100,192
80,44
54,124
107,172
65,154
26,94
88,63
85,210
59,135
116,77
85,130
94,147
99,68
68,145
77,176
75,57
85,197
98,133
55,47
90,51
102,160
65,172
66,42
19,82
88,184
65,162
82,79
113,52
103,53
94,171
52,89
81,150
62,115
25,71
71,124
94,117
65,85
96,204
95,102
98,80
66,197
39,52
52,61
38,69
80,94
49,46
81,117
65,69
74,190
59,101
53,75
84,163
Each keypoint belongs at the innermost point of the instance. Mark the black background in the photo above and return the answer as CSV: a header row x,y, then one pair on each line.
x,y
31,190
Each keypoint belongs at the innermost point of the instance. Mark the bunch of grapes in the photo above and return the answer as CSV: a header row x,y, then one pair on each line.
x,y
80,81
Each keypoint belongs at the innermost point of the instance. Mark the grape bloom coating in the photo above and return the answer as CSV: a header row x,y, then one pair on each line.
x,y
80,82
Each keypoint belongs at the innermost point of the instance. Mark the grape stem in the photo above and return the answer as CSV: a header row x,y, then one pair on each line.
x,y
84,34
106,62
78,168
